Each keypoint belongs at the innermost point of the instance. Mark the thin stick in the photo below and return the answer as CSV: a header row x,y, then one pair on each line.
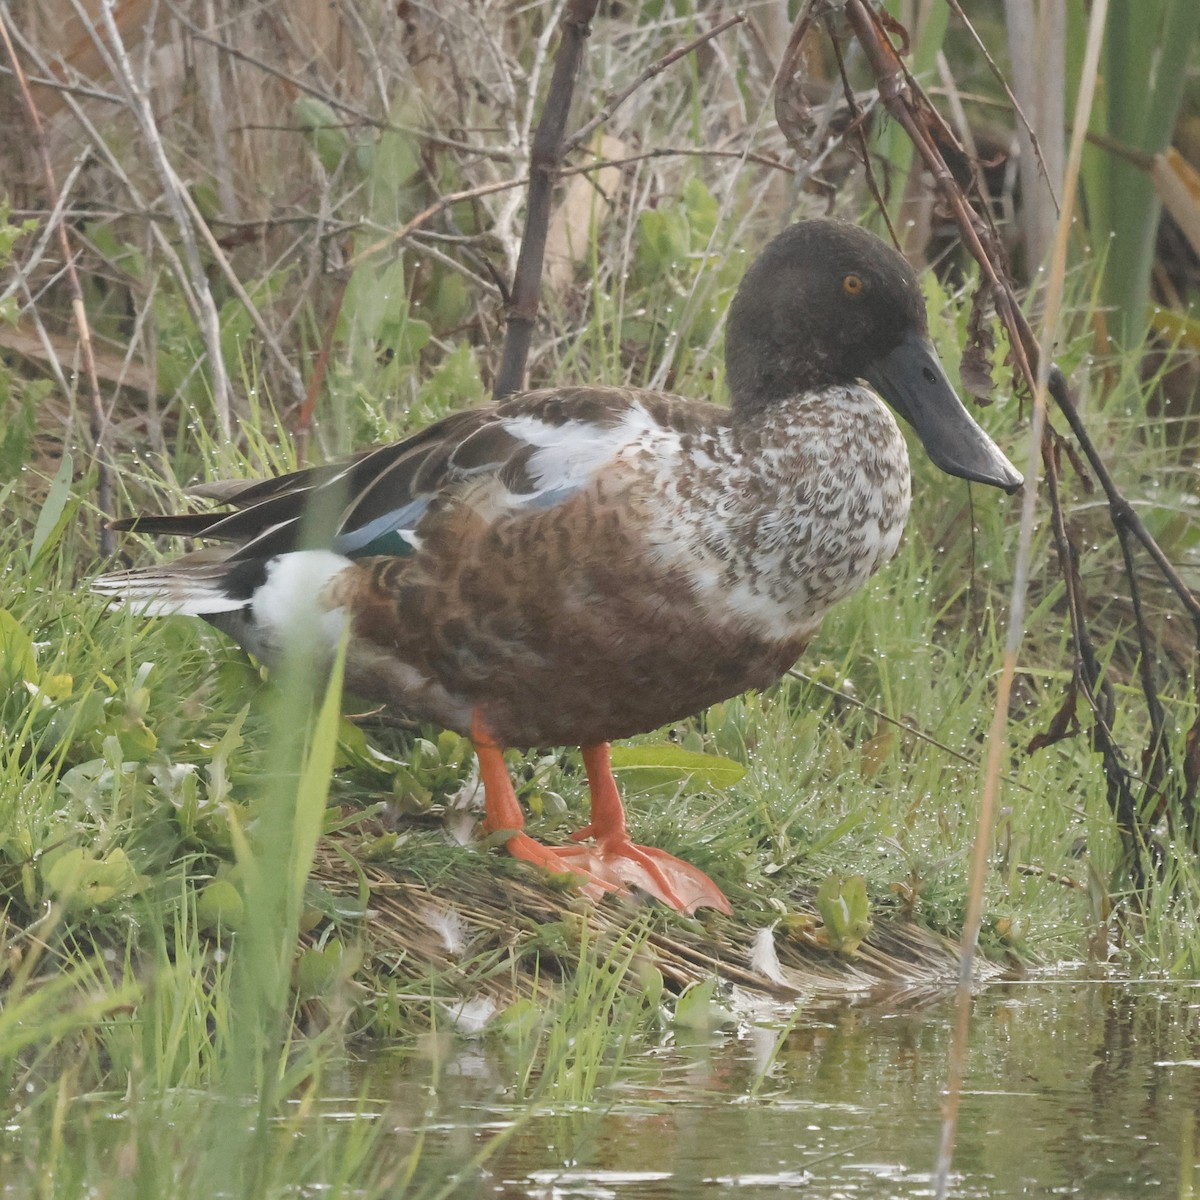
x,y
97,423
487,189
857,120
285,364
1016,619
177,199
427,214
544,158
53,222
304,417
998,75
929,132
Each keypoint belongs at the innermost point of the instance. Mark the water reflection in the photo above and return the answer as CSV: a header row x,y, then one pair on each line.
x,y
1074,1087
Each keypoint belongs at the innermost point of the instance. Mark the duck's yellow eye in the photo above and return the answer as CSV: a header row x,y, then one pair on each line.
x,y
852,285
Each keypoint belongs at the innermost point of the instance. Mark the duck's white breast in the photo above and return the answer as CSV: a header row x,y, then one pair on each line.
x,y
778,518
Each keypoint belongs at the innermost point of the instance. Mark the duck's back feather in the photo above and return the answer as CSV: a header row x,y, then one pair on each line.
x,y
540,448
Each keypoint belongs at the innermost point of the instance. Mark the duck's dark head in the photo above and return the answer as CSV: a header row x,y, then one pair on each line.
x,y
828,303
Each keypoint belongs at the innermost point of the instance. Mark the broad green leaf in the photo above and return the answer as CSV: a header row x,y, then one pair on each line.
x,y
318,970
82,881
844,907
220,905
698,1008
55,512
17,659
328,132
664,763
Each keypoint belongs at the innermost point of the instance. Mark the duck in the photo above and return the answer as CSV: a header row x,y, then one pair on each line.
x,y
580,564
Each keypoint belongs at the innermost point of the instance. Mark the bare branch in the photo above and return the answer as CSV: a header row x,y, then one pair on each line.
x,y
178,201
657,67
543,166
98,425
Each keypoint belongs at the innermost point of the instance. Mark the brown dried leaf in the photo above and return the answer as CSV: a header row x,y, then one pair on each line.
x,y
1063,724
975,371
894,27
793,90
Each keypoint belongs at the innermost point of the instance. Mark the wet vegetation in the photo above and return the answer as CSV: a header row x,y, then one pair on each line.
x,y
294,233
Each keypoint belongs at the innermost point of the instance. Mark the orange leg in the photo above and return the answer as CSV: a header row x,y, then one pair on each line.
x,y
670,879
502,811
613,860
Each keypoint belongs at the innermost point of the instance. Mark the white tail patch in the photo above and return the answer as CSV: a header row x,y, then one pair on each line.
x,y
289,604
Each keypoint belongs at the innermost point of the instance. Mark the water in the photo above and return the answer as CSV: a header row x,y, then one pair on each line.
x,y
1074,1088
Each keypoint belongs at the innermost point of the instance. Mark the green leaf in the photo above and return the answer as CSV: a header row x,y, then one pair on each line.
x,y
328,135
394,167
702,211
520,1020
664,763
82,881
17,659
56,512
219,786
220,905
456,381
17,430
318,970
698,1008
844,907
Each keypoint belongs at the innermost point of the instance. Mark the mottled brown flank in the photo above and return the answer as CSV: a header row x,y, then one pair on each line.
x,y
660,589
555,647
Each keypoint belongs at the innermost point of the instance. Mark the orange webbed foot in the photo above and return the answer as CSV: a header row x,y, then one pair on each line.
x,y
669,879
560,861
614,855
611,861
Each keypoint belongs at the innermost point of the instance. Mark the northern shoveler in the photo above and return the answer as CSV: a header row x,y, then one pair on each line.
x,y
581,564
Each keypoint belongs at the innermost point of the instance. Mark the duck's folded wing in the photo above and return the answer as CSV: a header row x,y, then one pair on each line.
x,y
530,453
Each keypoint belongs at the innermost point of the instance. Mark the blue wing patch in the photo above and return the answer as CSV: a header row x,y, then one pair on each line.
x,y
391,533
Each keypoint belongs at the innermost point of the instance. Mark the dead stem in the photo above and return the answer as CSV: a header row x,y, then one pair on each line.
x,y
934,141
98,423
545,155
112,48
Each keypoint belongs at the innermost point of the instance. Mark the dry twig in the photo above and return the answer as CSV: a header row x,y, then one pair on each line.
x,y
112,48
98,425
543,167
938,149
610,106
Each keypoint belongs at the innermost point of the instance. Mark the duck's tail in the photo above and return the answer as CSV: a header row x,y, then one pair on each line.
x,y
195,585
262,603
